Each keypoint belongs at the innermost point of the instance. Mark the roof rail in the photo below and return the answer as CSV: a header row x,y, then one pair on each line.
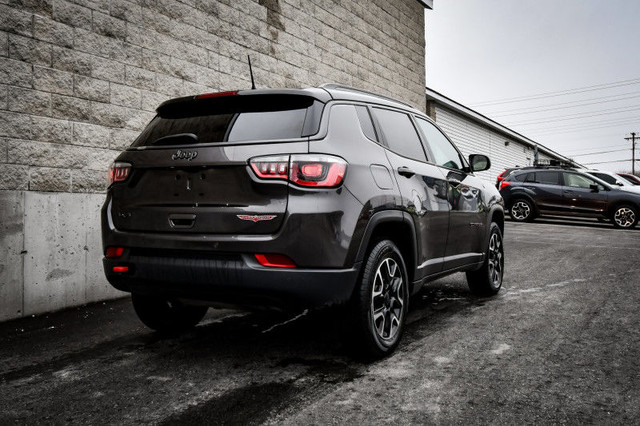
x,y
353,89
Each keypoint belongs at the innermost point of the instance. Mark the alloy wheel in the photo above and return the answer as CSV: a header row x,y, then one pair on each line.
x,y
624,217
520,210
387,299
496,260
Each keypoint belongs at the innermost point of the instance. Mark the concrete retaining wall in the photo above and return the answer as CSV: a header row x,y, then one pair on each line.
x,y
53,252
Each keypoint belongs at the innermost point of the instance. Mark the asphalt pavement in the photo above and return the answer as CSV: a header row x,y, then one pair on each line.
x,y
559,344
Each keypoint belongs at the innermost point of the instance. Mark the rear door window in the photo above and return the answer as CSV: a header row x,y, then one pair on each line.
x,y
399,133
548,177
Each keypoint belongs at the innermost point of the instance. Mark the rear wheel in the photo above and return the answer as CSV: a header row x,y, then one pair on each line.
x,y
521,210
624,216
166,315
487,280
381,301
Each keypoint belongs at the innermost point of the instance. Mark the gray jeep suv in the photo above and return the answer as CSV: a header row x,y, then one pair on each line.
x,y
296,198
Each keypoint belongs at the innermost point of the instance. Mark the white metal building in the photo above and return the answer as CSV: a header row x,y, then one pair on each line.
x,y
473,133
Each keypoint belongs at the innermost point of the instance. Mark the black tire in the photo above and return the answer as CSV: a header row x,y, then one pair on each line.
x,y
381,302
487,280
624,216
165,315
522,210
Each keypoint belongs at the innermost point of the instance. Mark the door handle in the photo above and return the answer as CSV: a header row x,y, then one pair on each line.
x,y
406,172
567,191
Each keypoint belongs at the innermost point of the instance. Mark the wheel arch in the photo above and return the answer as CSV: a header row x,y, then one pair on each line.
x,y
614,206
396,226
496,215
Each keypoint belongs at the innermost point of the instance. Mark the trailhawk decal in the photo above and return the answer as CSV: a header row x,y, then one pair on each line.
x,y
256,218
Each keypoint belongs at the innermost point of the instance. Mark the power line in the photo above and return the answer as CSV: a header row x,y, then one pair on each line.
x,y
607,162
589,149
530,110
576,116
548,132
599,152
593,125
560,93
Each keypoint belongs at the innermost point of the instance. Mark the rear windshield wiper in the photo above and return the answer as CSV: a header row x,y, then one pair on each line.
x,y
177,139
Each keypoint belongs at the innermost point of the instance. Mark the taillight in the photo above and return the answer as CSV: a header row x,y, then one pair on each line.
x,y
504,184
271,167
500,177
319,171
119,172
311,170
114,252
275,260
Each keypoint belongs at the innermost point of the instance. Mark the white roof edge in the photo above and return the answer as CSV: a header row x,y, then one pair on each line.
x,y
426,3
432,95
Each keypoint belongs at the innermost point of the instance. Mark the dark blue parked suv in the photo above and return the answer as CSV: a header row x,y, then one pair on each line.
x,y
530,192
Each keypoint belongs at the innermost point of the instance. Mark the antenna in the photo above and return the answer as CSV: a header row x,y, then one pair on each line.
x,y
253,84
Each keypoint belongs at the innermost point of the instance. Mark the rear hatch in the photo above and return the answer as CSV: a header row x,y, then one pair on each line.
x,y
189,168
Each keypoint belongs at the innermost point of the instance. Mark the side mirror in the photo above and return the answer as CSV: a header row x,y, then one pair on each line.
x,y
479,162
594,187
619,183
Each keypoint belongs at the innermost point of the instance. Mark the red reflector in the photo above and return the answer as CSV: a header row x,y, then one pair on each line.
x,y
120,269
504,183
114,251
275,260
216,95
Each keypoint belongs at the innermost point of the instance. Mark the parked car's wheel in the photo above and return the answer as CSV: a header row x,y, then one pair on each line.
x,y
521,210
165,315
624,216
487,280
381,301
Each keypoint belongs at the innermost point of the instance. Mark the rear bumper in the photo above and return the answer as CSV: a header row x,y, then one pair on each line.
x,y
230,279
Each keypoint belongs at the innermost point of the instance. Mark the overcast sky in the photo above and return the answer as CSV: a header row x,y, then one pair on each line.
x,y
483,51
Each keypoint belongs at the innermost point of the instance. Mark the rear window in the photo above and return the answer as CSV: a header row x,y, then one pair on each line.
x,y
233,119
523,176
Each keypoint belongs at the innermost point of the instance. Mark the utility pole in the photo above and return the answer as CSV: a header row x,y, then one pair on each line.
x,y
633,152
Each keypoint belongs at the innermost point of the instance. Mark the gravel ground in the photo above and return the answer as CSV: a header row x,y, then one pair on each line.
x,y
559,344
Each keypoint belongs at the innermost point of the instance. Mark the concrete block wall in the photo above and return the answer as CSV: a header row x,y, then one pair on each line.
x,y
79,79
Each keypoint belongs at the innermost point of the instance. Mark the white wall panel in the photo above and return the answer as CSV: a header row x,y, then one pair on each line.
x,y
473,138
